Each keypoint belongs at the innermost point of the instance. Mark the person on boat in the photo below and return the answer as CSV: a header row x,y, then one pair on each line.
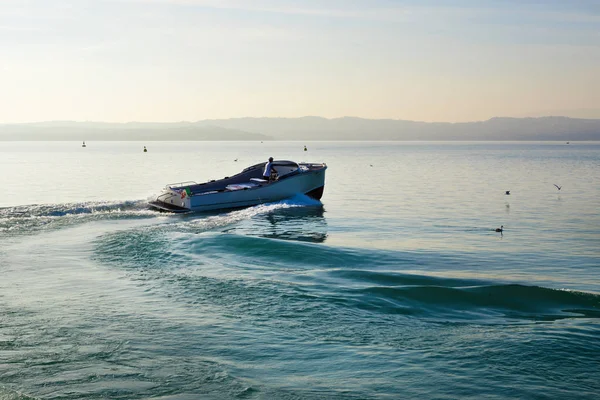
x,y
269,169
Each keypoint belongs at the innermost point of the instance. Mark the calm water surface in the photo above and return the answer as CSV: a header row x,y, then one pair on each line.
x,y
394,286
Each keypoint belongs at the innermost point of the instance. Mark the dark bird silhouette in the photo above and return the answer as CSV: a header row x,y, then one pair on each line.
x,y
507,192
558,187
500,229
371,165
235,159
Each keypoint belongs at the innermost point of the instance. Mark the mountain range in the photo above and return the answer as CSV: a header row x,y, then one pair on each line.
x,y
310,128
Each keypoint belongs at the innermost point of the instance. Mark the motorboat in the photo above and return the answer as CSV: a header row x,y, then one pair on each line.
x,y
248,188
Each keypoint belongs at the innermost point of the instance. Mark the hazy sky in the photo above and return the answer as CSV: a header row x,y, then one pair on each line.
x,y
172,60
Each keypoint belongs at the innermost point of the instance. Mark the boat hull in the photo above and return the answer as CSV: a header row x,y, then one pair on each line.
x,y
175,200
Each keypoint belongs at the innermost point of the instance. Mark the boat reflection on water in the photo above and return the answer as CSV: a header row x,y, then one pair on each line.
x,y
304,224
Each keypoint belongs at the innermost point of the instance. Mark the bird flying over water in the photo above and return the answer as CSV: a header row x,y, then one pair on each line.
x,y
558,187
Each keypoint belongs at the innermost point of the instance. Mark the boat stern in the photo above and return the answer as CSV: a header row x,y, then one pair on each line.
x,y
173,200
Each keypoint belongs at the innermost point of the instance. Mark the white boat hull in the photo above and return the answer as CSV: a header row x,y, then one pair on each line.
x,y
177,199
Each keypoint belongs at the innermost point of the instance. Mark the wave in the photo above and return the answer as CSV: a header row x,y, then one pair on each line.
x,y
513,301
27,219
33,218
236,270
9,394
196,253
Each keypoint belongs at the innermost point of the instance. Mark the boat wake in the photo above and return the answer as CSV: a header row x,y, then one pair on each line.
x,y
35,218
239,272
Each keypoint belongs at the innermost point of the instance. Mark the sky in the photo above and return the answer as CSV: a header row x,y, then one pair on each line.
x,y
189,60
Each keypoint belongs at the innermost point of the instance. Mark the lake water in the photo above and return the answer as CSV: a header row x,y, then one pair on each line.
x,y
395,286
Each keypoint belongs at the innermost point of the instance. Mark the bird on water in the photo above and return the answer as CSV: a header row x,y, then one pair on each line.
x,y
500,229
558,187
507,192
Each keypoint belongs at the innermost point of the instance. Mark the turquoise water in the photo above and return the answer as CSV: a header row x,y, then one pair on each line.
x,y
394,286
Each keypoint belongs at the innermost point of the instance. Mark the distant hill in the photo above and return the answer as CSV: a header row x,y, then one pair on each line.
x,y
312,128
351,128
133,131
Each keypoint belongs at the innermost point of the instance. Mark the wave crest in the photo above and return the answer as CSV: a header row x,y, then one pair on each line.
x,y
33,218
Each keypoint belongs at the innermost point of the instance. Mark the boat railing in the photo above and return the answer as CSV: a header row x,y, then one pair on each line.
x,y
163,197
180,184
312,165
